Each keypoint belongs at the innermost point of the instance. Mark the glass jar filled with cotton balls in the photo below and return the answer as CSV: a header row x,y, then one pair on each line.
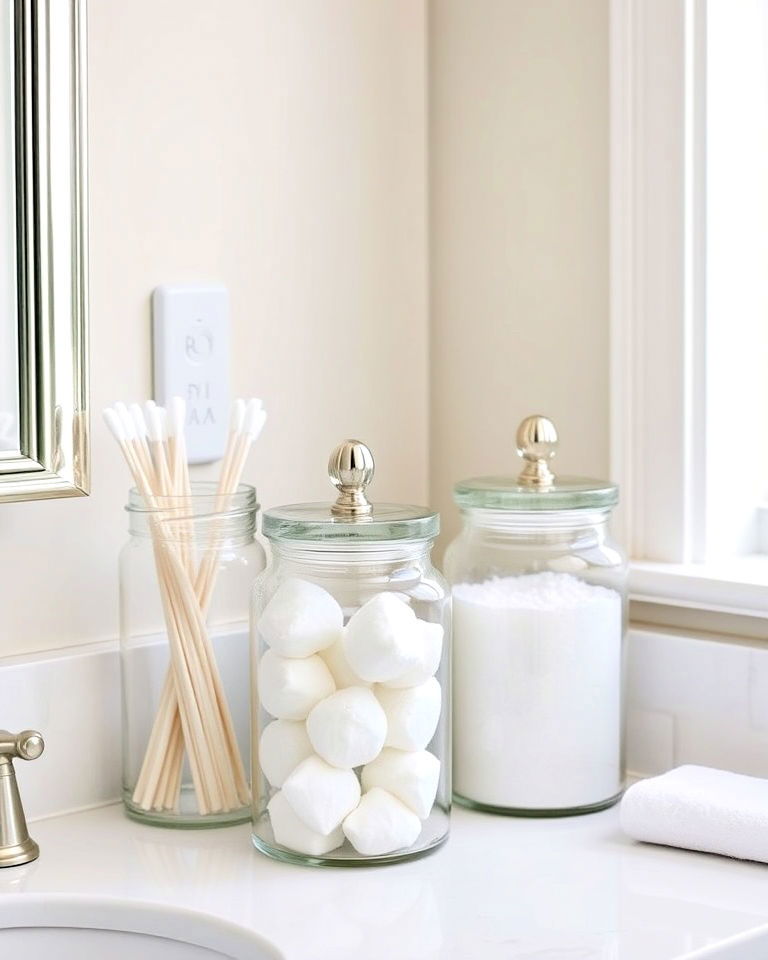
x,y
351,690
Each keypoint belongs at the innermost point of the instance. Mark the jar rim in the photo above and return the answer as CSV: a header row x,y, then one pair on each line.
x,y
313,522
506,493
527,521
203,501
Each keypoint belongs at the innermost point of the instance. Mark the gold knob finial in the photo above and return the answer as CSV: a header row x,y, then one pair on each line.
x,y
536,444
350,468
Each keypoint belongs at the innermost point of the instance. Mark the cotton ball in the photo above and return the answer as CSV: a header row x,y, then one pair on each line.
x,y
348,728
430,651
381,824
288,689
336,661
409,775
321,795
292,833
300,619
282,747
381,639
412,714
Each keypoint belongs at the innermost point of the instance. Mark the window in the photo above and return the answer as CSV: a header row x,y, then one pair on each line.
x,y
736,198
689,135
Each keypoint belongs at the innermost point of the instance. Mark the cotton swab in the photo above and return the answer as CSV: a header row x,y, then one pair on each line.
x,y
193,711
187,671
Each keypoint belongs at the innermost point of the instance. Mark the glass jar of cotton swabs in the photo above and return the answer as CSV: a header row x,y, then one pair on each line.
x,y
184,575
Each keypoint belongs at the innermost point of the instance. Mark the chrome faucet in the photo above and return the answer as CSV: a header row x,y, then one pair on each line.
x,y
16,845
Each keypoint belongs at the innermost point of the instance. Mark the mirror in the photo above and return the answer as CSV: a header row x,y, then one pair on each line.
x,y
43,287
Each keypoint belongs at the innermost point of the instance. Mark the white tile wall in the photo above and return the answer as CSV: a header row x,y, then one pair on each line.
x,y
689,701
696,701
73,698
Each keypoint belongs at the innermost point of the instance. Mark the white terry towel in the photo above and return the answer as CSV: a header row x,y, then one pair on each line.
x,y
699,808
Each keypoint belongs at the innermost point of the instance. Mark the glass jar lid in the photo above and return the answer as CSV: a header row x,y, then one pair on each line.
x,y
352,517
535,487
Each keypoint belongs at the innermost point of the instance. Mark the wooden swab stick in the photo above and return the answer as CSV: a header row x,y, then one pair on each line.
x,y
124,428
241,439
191,721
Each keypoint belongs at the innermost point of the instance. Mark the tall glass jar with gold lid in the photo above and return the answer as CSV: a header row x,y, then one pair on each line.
x,y
351,686
539,600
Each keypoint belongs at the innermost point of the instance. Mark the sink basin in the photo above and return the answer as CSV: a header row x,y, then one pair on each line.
x,y
751,945
44,927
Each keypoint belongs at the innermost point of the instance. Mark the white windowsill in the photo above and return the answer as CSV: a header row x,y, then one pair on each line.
x,y
738,586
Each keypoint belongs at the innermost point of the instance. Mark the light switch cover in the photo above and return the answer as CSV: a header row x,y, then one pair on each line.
x,y
190,327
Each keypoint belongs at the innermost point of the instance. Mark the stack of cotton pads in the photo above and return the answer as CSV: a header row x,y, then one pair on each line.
x,y
354,709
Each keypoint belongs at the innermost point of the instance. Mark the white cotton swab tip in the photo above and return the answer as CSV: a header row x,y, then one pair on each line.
x,y
149,406
126,419
253,414
155,426
255,424
137,416
113,421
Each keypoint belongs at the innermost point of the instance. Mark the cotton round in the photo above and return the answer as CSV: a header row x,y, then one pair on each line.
x,y
300,619
410,775
288,688
381,641
321,795
381,824
336,660
430,650
291,832
282,746
412,714
348,728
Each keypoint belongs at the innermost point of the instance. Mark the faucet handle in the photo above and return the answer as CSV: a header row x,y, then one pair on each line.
x,y
27,745
16,845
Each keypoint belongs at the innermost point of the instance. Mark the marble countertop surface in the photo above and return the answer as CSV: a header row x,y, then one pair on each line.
x,y
568,889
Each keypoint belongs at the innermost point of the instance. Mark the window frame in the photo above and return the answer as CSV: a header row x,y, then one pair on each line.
x,y
657,308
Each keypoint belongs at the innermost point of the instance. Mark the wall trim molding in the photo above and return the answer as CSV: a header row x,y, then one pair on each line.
x,y
73,650
653,455
658,313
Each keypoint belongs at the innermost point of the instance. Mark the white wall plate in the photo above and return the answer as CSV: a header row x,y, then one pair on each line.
x,y
190,327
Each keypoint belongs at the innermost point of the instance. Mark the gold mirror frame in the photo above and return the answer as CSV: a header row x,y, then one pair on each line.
x,y
51,252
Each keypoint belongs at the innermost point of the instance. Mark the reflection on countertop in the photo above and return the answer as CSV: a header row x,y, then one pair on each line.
x,y
571,889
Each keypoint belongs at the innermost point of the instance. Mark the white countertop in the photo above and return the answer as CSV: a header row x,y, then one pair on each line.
x,y
569,889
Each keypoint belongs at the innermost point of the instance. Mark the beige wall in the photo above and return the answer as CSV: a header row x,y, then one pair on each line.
x,y
519,255
279,148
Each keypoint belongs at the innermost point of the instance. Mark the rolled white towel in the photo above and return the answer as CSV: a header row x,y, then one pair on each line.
x,y
699,808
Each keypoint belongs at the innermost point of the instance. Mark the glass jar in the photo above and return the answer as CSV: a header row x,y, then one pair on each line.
x,y
351,692
189,564
539,600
